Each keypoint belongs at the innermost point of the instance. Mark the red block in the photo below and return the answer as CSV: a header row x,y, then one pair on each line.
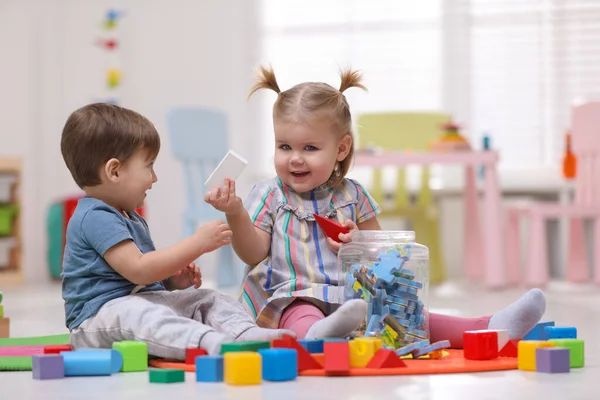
x,y
385,358
510,349
330,227
480,345
56,349
337,357
305,359
191,354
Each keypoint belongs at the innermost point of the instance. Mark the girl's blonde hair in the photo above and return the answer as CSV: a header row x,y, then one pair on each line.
x,y
309,100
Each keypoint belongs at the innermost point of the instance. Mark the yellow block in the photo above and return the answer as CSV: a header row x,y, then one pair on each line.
x,y
362,350
242,368
526,353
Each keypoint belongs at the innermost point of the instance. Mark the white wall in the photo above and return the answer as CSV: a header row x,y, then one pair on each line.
x,y
173,52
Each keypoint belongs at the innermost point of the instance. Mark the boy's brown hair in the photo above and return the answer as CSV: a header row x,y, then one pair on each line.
x,y
309,100
98,132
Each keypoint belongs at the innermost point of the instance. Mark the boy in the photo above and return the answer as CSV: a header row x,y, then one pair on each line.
x,y
114,280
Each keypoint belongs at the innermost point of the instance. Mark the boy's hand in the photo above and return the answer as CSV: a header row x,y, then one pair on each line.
x,y
344,237
186,277
224,199
213,235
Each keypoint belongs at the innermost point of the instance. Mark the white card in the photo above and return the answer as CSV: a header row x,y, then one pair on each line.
x,y
231,166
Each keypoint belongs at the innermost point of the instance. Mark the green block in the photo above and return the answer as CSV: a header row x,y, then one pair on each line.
x,y
1,311
575,347
252,345
167,375
135,355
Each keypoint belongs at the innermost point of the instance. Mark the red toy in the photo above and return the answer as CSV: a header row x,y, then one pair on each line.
x,y
510,349
305,359
191,354
57,348
385,358
337,357
480,345
330,227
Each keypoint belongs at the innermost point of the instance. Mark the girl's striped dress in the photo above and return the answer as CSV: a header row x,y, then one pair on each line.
x,y
299,264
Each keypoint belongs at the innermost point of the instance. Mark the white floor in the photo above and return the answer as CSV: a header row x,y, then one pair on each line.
x,y
39,311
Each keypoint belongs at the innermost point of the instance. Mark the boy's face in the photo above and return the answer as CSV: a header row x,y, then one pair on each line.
x,y
136,178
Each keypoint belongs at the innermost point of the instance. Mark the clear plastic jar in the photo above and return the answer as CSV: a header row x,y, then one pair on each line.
x,y
390,271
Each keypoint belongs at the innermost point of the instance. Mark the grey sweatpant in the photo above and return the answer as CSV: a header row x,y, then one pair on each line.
x,y
169,322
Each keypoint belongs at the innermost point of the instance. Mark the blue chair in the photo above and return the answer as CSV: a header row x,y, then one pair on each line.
x,y
199,141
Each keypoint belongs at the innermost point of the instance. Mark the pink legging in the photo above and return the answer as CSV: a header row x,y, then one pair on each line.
x,y
300,316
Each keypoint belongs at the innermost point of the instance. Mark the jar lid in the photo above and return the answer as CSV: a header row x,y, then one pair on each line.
x,y
383,236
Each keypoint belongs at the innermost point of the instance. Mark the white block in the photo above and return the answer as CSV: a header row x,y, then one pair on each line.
x,y
231,166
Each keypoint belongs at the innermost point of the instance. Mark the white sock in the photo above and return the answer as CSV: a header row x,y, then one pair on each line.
x,y
341,323
212,341
522,315
257,333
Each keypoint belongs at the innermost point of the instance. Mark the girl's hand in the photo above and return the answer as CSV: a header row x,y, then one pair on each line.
x,y
186,277
344,237
224,199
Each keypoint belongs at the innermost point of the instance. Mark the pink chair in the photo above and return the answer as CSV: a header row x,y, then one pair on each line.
x,y
585,127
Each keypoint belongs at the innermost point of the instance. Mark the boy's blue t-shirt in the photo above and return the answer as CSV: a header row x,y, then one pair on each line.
x,y
88,282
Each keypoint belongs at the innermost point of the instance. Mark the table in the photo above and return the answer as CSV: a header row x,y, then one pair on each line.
x,y
483,242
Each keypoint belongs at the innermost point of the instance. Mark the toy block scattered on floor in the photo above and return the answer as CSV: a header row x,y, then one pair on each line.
x,y
166,375
559,332
57,348
510,349
502,337
252,345
480,345
537,332
337,357
385,358
527,352
437,346
92,362
4,327
135,355
242,368
305,360
312,346
362,351
191,354
48,366
576,347
209,369
279,365
552,360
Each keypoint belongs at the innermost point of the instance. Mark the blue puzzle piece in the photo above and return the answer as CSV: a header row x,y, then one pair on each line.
x,y
418,332
442,344
408,282
375,326
411,347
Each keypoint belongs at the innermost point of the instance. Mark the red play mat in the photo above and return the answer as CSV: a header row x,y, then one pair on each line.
x,y
451,364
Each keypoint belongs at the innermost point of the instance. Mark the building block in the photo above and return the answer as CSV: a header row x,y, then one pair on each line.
x,y
527,348
92,362
480,345
559,332
252,345
552,360
135,355
279,365
536,333
191,354
4,327
385,358
305,360
510,349
337,357
166,375
576,346
502,337
242,368
330,227
209,369
47,366
57,349
312,346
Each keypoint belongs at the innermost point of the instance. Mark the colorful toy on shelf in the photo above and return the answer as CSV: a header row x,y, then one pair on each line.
x,y
113,77
451,140
569,162
112,17
108,44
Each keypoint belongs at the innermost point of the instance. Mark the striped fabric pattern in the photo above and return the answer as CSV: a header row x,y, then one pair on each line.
x,y
300,264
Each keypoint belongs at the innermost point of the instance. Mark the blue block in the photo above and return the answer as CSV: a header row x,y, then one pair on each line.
x,y
312,346
90,362
115,356
537,332
209,369
279,364
559,332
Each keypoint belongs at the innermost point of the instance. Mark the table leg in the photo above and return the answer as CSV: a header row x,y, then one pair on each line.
x,y
473,245
495,276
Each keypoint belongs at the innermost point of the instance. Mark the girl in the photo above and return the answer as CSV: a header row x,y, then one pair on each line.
x,y
291,278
